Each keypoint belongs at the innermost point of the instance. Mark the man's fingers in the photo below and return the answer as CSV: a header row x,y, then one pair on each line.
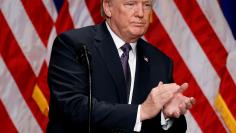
x,y
182,108
160,83
177,114
188,105
183,87
192,100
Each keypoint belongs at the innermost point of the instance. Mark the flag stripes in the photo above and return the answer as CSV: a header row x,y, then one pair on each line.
x,y
6,123
20,69
15,105
39,17
215,17
64,21
29,42
51,9
166,45
80,13
189,49
193,33
94,9
217,54
192,124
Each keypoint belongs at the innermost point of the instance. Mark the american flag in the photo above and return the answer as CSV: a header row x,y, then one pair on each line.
x,y
194,33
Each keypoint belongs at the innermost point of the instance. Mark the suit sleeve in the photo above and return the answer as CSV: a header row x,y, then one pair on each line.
x,y
68,82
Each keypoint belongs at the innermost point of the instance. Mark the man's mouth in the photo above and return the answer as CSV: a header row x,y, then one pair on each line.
x,y
139,24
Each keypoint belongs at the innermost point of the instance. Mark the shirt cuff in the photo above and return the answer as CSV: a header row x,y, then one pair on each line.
x,y
166,123
138,124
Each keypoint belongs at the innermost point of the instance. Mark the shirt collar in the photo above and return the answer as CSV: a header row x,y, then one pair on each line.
x,y
118,41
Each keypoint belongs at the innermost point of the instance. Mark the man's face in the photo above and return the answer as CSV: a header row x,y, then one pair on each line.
x,y
129,19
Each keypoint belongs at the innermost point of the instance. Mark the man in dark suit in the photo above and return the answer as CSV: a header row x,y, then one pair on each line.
x,y
131,80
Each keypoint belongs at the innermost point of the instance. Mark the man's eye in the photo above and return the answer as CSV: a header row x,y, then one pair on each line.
x,y
147,6
130,4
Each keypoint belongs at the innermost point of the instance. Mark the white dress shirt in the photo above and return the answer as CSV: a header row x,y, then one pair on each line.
x,y
166,123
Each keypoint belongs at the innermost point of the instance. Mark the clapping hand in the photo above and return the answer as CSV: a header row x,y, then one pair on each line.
x,y
179,104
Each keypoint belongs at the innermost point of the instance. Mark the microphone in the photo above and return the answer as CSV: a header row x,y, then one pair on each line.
x,y
84,57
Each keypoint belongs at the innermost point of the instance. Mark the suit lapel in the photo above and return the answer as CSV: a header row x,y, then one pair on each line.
x,y
109,53
142,75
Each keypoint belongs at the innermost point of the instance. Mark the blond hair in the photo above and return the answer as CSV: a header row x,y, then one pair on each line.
x,y
102,9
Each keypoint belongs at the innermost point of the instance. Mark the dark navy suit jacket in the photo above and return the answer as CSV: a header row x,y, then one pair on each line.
x,y
67,78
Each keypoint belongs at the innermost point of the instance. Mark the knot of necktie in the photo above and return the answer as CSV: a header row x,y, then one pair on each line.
x,y
126,48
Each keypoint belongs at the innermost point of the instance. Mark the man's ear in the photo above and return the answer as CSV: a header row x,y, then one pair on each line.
x,y
107,8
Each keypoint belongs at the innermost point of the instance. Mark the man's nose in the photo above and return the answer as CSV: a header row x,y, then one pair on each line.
x,y
140,10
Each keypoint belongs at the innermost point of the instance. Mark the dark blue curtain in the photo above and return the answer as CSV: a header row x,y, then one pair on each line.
x,y
58,4
229,9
